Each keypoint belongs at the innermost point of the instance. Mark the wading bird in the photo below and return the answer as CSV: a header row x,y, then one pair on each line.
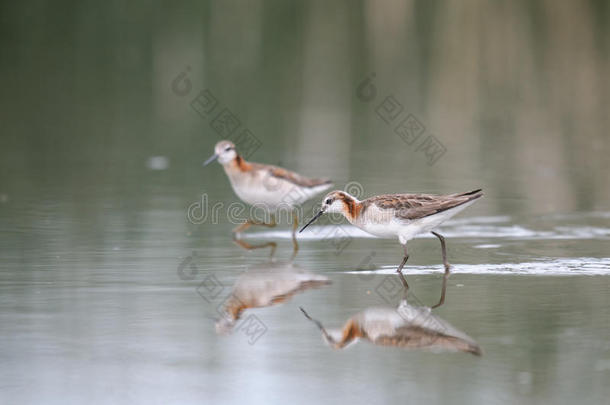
x,y
264,186
398,215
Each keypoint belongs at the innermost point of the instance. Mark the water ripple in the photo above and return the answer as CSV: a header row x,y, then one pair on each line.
x,y
573,266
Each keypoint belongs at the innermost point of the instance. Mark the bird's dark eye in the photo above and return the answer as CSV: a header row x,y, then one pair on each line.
x,y
328,201
228,148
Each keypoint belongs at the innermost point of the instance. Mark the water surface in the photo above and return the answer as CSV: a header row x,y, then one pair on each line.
x,y
109,293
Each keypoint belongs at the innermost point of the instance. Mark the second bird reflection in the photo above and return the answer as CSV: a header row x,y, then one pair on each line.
x,y
407,326
264,286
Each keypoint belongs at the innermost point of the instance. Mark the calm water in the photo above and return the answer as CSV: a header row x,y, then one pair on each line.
x,y
109,291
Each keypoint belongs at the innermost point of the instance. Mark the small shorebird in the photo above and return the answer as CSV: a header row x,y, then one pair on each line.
x,y
398,215
264,186
407,326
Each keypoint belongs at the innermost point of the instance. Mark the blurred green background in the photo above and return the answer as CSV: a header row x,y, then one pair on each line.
x,y
517,92
94,226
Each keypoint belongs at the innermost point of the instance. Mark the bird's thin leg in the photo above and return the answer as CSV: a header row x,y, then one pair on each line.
x,y
251,222
399,269
443,250
242,227
295,225
249,246
443,289
447,267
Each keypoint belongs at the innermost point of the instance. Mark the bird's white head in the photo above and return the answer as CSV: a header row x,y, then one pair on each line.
x,y
224,151
338,202
337,338
332,336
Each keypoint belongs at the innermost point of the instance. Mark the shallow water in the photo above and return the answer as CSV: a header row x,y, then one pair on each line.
x,y
128,314
110,288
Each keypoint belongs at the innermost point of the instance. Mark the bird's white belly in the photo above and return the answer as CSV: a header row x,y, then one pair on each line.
x,y
385,225
260,196
383,230
379,223
401,229
272,196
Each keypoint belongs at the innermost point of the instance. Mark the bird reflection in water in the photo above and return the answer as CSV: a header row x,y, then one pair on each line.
x,y
249,246
271,244
407,326
264,286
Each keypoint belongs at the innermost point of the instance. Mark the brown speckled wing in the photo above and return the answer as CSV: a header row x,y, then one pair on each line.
x,y
295,178
416,337
409,336
415,206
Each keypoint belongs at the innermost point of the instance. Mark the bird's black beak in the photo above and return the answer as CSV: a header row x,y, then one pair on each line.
x,y
211,159
312,220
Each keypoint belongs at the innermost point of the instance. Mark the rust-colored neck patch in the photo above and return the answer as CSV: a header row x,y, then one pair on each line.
x,y
351,331
235,308
353,208
241,164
